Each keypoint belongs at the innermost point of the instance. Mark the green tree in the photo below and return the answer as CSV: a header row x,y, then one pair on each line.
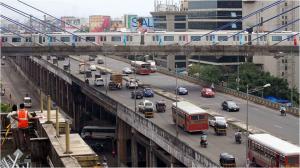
x,y
209,73
5,108
250,74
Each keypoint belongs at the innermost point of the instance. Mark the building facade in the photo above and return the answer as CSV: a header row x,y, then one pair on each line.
x,y
197,15
250,6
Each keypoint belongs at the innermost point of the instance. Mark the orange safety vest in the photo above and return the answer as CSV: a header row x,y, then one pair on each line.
x,y
23,118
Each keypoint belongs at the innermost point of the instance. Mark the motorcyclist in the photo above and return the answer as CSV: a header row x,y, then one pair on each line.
x,y
282,110
238,136
203,141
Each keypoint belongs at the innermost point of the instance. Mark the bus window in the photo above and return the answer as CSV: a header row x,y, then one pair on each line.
x,y
293,160
195,117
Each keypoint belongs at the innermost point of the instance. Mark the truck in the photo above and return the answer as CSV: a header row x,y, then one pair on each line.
x,y
82,68
116,81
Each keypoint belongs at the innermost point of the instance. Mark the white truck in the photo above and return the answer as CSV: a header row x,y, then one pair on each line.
x,y
27,102
99,82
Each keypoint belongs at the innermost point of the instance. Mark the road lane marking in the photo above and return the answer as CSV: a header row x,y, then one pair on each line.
x,y
277,126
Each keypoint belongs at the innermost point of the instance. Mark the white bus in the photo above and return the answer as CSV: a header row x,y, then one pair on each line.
x,y
98,132
266,150
152,66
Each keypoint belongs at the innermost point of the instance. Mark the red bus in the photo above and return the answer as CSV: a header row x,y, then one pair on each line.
x,y
142,68
190,117
268,151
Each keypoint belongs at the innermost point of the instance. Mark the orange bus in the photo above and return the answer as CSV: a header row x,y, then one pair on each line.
x,y
266,150
142,68
190,117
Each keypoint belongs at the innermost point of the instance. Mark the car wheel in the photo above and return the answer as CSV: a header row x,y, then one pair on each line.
x,y
228,109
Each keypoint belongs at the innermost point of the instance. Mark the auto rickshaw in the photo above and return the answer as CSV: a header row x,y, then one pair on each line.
x,y
227,160
220,129
160,106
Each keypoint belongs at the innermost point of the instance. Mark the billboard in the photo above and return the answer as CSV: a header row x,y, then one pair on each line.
x,y
127,20
73,23
141,23
99,23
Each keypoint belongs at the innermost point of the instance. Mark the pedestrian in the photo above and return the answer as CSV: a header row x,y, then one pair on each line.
x,y
14,127
212,86
23,127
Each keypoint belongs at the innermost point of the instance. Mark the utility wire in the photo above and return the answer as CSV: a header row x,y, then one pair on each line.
x,y
258,24
7,30
41,21
28,28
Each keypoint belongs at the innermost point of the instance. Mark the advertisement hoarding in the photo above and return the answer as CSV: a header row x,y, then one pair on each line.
x,y
99,23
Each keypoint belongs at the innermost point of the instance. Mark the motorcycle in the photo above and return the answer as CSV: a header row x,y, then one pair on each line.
x,y
203,142
238,138
282,113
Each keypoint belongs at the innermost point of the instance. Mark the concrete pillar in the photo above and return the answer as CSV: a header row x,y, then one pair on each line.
x,y
121,143
134,157
151,156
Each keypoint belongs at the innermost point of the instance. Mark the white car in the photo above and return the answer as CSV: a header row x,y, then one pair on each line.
x,y
99,82
132,84
127,70
27,102
93,67
146,106
217,119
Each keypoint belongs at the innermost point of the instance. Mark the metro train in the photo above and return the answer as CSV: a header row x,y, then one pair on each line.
x,y
149,38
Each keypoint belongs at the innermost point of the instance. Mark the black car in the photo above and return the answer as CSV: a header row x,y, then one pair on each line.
x,y
139,94
227,160
230,105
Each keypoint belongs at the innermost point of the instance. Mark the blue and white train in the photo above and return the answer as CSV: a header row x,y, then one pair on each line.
x,y
155,38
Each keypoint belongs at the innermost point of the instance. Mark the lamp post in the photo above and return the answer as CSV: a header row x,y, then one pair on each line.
x,y
247,119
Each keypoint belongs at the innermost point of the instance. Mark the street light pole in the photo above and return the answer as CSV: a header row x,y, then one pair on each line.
x,y
247,162
106,74
135,83
177,132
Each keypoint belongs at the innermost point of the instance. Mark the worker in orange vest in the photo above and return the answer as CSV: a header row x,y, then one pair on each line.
x,y
22,117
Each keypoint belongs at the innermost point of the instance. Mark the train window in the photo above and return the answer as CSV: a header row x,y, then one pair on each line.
x,y
180,38
65,39
104,39
116,38
101,38
128,38
236,38
4,39
206,37
153,38
183,38
222,38
265,38
44,39
245,38
196,38
28,39
93,39
276,38
168,38
16,39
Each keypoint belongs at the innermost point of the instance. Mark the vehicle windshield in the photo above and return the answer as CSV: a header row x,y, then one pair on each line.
x,y
148,104
220,119
231,103
27,101
208,90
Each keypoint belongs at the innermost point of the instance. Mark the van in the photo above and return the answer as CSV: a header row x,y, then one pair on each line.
x,y
98,132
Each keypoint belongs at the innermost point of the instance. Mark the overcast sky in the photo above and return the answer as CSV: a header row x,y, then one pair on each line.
x,y
82,8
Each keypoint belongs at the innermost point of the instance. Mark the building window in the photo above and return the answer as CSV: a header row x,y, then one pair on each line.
x,y
196,38
285,60
285,17
180,17
282,60
160,25
92,39
282,73
282,17
168,38
285,4
159,18
285,22
116,38
180,26
285,67
233,14
282,22
233,26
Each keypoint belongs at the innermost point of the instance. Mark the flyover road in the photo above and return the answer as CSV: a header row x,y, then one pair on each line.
x,y
260,116
16,86
216,144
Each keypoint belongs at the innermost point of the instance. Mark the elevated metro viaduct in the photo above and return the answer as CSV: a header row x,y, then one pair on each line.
x,y
140,142
213,50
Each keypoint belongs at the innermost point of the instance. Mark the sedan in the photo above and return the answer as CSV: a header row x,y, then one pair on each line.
x,y
137,94
182,91
230,105
217,119
148,92
207,92
127,70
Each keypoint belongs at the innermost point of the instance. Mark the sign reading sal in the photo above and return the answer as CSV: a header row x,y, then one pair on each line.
x,y
147,22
